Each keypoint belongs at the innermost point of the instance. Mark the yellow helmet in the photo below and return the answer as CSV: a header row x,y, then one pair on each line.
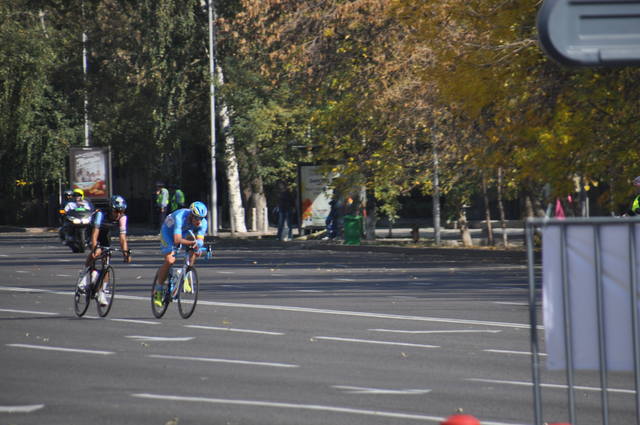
x,y
78,192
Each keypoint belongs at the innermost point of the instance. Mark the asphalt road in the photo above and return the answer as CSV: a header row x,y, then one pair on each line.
x,y
281,335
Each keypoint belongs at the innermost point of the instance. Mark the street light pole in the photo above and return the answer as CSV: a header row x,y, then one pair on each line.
x,y
84,74
213,208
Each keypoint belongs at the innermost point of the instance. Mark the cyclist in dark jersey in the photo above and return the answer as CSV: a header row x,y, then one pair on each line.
x,y
102,223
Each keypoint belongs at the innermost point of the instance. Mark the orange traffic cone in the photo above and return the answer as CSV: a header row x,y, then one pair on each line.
x,y
461,420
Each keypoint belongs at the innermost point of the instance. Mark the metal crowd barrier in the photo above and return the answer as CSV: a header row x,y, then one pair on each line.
x,y
629,274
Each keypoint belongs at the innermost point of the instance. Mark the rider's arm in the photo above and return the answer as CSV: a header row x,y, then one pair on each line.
x,y
96,222
202,230
94,237
124,244
177,229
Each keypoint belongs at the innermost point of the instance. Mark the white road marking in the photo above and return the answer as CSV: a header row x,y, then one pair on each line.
x,y
216,328
229,361
379,391
22,271
142,322
369,341
365,314
223,272
21,409
16,289
309,290
63,275
528,353
160,338
510,303
555,386
491,331
315,407
67,350
310,310
43,313
342,279
64,260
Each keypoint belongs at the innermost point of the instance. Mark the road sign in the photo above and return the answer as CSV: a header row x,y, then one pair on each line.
x,y
591,32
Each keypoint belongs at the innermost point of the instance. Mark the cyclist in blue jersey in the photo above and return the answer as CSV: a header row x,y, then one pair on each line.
x,y
102,223
176,231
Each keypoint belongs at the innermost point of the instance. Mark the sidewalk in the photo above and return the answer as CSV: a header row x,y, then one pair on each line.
x,y
397,238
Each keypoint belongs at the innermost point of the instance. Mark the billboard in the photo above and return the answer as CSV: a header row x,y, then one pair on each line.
x,y
315,194
90,170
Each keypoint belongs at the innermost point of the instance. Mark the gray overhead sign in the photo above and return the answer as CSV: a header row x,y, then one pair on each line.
x,y
591,32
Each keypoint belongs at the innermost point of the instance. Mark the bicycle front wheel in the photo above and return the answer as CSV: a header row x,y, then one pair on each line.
x,y
81,299
159,298
107,284
188,294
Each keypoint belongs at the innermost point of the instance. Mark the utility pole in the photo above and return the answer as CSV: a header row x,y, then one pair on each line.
x,y
213,208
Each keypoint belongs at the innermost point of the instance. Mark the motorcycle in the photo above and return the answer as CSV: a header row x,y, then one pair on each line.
x,y
75,228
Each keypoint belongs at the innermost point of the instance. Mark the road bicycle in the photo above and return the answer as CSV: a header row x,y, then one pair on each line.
x,y
102,278
180,285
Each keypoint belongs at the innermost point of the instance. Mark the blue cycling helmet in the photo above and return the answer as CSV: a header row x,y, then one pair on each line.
x,y
198,209
118,203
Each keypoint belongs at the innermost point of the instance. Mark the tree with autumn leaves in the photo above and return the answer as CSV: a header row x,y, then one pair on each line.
x,y
452,98
386,82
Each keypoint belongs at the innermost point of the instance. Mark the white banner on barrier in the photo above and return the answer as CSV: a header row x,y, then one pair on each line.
x,y
581,274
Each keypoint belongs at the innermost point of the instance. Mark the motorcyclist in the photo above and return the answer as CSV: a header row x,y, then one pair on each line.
x,y
77,202
67,196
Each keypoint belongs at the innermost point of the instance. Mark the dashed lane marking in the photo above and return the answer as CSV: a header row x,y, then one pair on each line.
x,y
142,322
369,341
160,338
526,353
64,349
379,391
21,409
218,328
554,386
228,361
42,313
453,331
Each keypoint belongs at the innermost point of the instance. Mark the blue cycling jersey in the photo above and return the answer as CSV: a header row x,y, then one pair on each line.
x,y
178,223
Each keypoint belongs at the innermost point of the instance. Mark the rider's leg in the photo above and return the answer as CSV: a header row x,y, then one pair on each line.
x,y
163,271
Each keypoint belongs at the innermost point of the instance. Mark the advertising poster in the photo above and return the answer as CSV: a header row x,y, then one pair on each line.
x,y
90,170
315,195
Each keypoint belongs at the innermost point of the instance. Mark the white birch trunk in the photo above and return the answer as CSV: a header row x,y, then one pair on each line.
x,y
236,212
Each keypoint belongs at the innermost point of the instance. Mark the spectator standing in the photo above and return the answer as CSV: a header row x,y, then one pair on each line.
x,y
177,198
332,221
286,207
162,201
635,204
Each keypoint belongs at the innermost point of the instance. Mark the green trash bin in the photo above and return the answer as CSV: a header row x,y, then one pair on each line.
x,y
352,229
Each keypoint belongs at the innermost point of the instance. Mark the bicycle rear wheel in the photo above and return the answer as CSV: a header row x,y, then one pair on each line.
x,y
108,284
81,299
188,294
159,298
